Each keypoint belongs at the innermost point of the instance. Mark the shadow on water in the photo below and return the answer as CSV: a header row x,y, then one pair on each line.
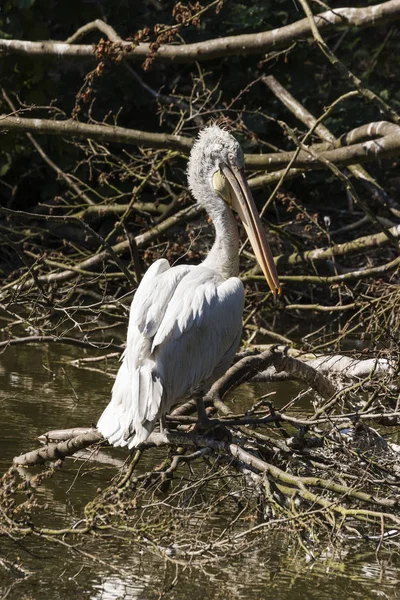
x,y
40,391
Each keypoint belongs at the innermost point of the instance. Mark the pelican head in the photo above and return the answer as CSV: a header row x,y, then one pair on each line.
x,y
216,178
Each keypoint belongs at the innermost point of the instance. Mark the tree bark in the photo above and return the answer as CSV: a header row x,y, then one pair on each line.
x,y
247,44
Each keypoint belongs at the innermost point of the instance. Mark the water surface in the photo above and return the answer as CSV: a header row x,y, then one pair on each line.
x,y
40,390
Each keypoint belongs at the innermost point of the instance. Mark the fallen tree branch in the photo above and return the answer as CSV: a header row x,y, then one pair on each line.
x,y
241,371
359,245
60,173
61,435
101,133
386,146
53,339
322,308
352,368
359,274
58,451
323,132
306,372
94,261
341,67
247,44
383,147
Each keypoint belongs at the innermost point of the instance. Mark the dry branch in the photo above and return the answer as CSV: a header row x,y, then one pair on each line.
x,y
61,435
356,246
384,147
241,371
369,149
101,133
336,365
59,451
356,275
305,372
345,366
323,132
96,260
247,44
53,339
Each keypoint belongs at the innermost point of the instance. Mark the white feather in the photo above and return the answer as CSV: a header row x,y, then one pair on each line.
x,y
185,322
184,329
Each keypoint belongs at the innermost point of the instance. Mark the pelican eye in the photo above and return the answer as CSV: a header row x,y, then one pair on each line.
x,y
222,187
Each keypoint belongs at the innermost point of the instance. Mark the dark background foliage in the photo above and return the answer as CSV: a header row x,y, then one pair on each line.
x,y
372,54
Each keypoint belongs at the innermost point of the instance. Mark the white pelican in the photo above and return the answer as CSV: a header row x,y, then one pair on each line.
x,y
185,322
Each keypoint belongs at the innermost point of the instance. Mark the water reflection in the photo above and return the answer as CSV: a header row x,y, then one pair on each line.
x,y
40,390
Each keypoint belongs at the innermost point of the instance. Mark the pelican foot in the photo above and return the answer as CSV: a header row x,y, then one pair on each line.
x,y
213,428
204,423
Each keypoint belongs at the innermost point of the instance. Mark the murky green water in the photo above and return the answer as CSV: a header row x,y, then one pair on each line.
x,y
40,390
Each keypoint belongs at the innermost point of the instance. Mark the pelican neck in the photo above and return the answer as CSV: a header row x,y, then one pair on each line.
x,y
224,254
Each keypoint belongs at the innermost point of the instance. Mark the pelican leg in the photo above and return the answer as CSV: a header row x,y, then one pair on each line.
x,y
205,424
201,409
163,426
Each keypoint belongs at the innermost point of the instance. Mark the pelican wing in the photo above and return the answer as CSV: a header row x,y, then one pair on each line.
x,y
184,328
199,333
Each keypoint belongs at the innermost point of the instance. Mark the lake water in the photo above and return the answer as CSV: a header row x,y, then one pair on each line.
x,y
40,390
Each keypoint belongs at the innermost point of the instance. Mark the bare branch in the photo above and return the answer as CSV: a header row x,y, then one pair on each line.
x,y
358,245
58,451
247,44
387,144
305,372
52,339
102,133
323,132
94,261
